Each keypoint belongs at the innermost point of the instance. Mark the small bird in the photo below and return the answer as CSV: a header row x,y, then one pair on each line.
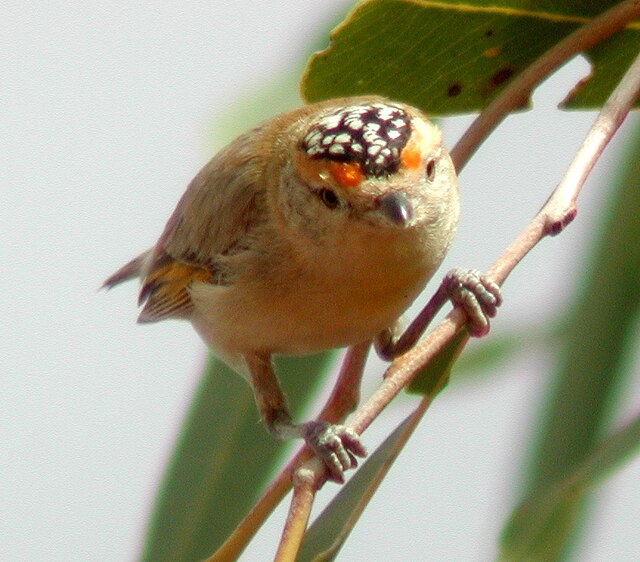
x,y
314,230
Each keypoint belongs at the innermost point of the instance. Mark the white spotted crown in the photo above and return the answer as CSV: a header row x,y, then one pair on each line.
x,y
371,134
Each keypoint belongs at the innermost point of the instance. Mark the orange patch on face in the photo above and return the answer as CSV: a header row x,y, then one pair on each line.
x,y
346,174
411,157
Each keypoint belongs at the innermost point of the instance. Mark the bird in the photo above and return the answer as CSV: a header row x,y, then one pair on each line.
x,y
314,230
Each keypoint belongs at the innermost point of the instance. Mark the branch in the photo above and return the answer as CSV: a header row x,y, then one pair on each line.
x,y
304,491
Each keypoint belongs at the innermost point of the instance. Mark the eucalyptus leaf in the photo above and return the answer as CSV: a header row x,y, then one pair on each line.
x,y
453,57
435,376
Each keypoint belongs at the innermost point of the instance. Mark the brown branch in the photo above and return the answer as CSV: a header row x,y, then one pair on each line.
x,y
304,491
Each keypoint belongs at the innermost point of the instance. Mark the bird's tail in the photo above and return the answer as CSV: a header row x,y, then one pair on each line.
x,y
131,270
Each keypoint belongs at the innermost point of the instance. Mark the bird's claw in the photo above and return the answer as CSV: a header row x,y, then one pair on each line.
x,y
477,295
336,445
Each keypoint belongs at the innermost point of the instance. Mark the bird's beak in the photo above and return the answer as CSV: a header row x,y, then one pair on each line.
x,y
396,207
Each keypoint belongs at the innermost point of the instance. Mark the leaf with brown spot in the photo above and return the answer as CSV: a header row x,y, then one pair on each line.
x,y
452,57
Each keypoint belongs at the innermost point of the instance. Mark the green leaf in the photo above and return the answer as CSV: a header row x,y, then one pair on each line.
x,y
330,530
609,61
483,358
222,461
480,360
451,57
538,528
489,353
599,339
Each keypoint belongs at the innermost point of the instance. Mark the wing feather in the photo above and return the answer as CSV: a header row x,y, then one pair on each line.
x,y
222,204
213,219
165,289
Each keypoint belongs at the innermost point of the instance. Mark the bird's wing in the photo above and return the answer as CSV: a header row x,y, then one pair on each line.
x,y
214,218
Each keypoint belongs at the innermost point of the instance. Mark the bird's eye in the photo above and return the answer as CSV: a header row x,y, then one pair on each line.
x,y
328,197
430,169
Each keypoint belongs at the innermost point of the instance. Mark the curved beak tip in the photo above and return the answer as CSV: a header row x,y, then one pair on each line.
x,y
397,208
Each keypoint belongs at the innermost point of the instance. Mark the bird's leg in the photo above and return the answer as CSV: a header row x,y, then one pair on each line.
x,y
477,295
337,445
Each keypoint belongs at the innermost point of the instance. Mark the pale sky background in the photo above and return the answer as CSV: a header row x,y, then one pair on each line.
x,y
106,113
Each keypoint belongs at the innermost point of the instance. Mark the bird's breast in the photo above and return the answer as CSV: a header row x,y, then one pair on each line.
x,y
327,302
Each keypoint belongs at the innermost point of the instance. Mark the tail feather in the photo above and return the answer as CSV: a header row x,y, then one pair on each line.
x,y
129,271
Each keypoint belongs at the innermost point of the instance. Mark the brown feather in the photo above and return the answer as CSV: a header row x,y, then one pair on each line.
x,y
166,289
220,206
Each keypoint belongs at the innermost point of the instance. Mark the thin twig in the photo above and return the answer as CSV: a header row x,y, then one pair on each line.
x,y
304,491
308,470
560,208
609,120
517,92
